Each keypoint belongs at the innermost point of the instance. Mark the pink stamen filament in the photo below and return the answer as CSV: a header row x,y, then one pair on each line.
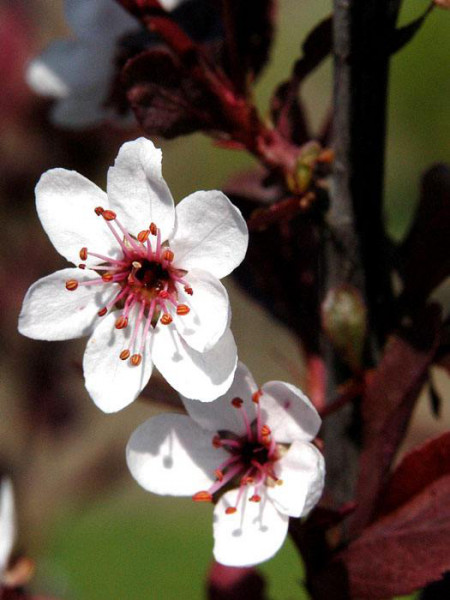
x,y
147,324
125,250
106,259
127,236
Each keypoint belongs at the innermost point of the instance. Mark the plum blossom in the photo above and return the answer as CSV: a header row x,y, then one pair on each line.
x,y
7,525
147,288
79,73
249,452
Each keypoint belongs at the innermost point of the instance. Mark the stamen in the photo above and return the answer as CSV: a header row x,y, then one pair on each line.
x,y
71,285
202,497
166,319
230,510
99,211
255,498
109,215
102,312
136,360
168,255
219,474
124,354
256,396
143,236
107,277
237,403
265,431
83,253
188,290
121,322
81,266
182,309
153,229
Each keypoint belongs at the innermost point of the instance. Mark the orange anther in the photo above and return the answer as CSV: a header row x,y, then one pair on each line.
x,y
219,474
109,215
143,235
230,510
163,294
102,312
124,354
216,441
188,290
265,430
81,266
202,497
136,360
168,255
166,319
99,210
255,498
256,396
247,480
121,322
107,277
237,402
71,285
182,309
153,229
83,253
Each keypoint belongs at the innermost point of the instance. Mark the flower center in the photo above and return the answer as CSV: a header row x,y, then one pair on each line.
x,y
252,458
145,283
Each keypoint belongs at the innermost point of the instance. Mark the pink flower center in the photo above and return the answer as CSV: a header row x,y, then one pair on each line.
x,y
251,461
144,281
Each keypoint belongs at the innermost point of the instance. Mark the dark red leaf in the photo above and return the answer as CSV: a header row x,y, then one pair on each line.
x,y
165,99
388,402
287,111
418,469
424,255
248,32
404,550
235,583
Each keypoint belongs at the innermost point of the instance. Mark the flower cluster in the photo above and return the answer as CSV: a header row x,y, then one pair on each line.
x,y
146,286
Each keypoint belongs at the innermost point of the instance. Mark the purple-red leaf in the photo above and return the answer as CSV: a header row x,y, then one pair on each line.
x,y
404,550
165,99
287,111
418,469
424,255
387,405
235,583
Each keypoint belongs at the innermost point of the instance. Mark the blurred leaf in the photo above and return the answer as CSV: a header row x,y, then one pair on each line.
x,y
418,469
248,33
388,402
435,400
404,35
165,99
286,109
404,550
424,255
235,583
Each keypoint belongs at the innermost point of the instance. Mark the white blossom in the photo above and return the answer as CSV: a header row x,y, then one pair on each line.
x,y
147,289
249,452
7,525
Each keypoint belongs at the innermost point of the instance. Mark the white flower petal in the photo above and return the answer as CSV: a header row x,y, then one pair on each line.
x,y
170,454
288,412
111,382
210,234
137,190
302,471
220,415
7,524
51,312
251,535
209,314
203,376
100,19
65,202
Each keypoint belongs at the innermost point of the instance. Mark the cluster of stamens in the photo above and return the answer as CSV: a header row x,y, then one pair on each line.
x,y
251,461
146,278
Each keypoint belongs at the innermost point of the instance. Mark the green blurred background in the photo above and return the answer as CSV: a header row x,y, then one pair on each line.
x,y
123,543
